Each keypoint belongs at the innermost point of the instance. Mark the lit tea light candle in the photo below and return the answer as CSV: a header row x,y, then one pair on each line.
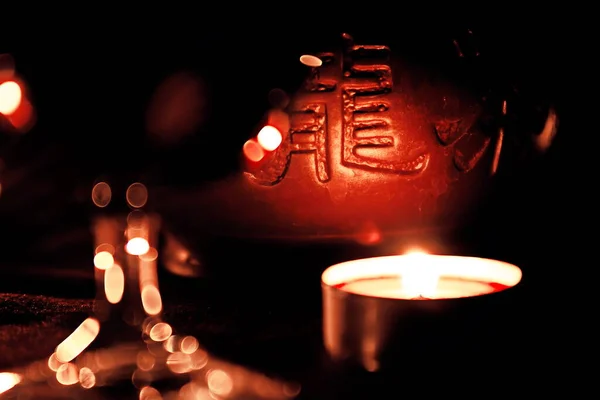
x,y
393,310
419,276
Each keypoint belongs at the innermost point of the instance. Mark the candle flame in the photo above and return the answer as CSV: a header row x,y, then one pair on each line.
x,y
420,279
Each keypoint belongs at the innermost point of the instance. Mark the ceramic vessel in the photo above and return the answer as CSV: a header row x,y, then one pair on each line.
x,y
374,144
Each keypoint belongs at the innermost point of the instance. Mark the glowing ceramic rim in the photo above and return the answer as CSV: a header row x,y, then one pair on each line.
x,y
459,267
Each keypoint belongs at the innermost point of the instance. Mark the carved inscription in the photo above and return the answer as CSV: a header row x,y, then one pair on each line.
x,y
376,82
362,90
309,120
469,144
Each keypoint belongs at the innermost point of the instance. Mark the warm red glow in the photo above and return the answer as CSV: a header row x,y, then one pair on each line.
x,y
369,234
544,140
10,97
420,275
177,108
269,138
7,66
23,118
280,120
253,151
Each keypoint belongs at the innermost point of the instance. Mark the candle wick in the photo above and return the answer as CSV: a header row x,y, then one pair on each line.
x,y
420,297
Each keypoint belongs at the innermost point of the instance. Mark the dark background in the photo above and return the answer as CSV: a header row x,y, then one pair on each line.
x,y
91,85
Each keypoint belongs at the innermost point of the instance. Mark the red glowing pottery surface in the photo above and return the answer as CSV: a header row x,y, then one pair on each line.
x,y
371,145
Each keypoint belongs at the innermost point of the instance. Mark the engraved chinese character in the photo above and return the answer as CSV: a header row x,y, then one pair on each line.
x,y
316,126
378,83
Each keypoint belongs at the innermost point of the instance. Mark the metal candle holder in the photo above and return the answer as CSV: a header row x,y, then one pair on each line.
x,y
380,325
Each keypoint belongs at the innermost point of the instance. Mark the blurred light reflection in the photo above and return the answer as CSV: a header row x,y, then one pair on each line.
x,y
67,374
219,382
114,284
145,360
269,138
103,260
137,246
87,378
133,362
253,150
101,194
160,332
161,360
10,97
137,195
8,380
78,341
189,344
149,393
53,362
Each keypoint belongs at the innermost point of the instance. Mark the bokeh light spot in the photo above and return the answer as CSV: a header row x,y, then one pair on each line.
x,y
10,97
219,382
101,194
253,151
137,195
269,138
311,61
161,332
137,246
103,260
